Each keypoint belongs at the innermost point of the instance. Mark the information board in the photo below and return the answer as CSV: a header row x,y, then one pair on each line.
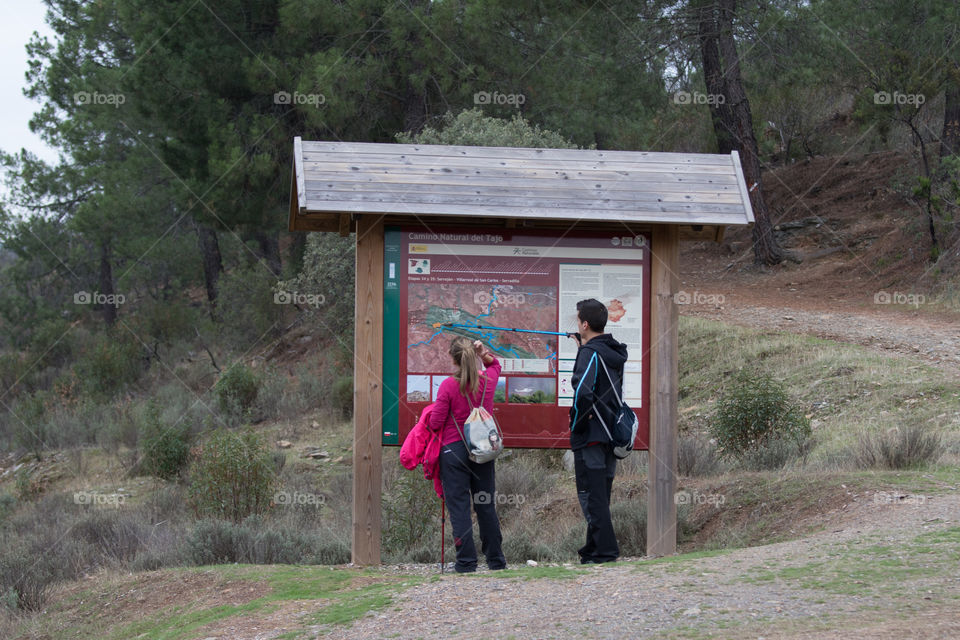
x,y
444,283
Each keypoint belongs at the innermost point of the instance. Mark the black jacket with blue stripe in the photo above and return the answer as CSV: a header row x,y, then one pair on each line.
x,y
591,389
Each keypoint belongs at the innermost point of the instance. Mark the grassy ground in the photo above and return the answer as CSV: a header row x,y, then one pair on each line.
x,y
873,579
844,389
175,604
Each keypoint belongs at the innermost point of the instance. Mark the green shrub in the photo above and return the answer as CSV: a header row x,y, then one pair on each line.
x,y
12,372
217,542
474,127
254,542
523,478
110,364
343,395
246,306
910,447
237,389
52,343
697,457
308,393
29,421
328,273
232,477
411,515
775,453
120,428
115,536
629,519
753,411
24,580
164,450
527,543
8,502
28,484
166,321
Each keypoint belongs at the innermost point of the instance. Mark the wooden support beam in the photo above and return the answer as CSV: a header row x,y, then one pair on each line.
x,y
664,382
367,391
304,223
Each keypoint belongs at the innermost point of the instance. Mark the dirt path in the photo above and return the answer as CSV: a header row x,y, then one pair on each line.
x,y
823,298
934,340
756,592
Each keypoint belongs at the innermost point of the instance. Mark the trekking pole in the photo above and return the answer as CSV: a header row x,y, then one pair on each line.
x,y
443,526
483,326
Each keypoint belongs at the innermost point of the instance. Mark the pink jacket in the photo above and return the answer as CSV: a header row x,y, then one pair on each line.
x,y
450,399
422,446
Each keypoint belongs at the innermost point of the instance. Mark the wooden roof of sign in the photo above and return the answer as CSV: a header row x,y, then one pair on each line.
x,y
333,182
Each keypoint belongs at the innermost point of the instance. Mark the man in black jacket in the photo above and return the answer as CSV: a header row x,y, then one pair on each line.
x,y
593,459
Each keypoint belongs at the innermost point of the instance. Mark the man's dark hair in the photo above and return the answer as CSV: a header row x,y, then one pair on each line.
x,y
594,313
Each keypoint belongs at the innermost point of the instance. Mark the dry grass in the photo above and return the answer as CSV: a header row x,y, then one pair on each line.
x,y
844,389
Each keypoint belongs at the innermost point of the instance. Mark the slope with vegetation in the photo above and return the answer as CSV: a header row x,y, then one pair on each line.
x,y
175,370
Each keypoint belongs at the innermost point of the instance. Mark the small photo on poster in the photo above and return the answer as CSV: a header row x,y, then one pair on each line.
x,y
500,395
532,390
418,388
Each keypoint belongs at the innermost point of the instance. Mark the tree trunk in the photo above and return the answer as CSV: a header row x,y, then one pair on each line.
x,y
212,262
733,122
950,137
415,100
269,250
720,114
109,307
296,251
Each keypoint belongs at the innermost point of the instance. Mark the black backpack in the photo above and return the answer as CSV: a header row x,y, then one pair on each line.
x,y
623,431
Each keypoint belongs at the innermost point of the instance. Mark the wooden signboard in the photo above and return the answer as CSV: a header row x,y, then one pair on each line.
x,y
515,290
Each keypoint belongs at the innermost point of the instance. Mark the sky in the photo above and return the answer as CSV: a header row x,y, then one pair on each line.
x,y
18,20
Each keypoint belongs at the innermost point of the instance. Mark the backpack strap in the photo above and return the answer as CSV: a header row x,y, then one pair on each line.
x,y
612,386
482,394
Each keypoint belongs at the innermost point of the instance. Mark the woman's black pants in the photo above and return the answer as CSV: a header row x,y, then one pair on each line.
x,y
467,483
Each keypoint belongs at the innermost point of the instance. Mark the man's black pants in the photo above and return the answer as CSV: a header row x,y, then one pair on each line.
x,y
595,467
464,483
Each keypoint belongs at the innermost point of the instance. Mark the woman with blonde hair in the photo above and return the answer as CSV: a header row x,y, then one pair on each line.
x,y
466,482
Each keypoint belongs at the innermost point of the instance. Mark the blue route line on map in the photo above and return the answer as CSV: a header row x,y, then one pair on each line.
x,y
488,336
491,336
428,341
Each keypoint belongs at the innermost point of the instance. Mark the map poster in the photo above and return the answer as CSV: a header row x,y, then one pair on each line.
x,y
516,291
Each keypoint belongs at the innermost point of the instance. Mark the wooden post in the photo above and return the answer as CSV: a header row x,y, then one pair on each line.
x,y
367,391
664,382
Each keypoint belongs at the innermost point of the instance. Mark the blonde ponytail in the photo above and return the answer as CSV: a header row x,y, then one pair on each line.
x,y
468,371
